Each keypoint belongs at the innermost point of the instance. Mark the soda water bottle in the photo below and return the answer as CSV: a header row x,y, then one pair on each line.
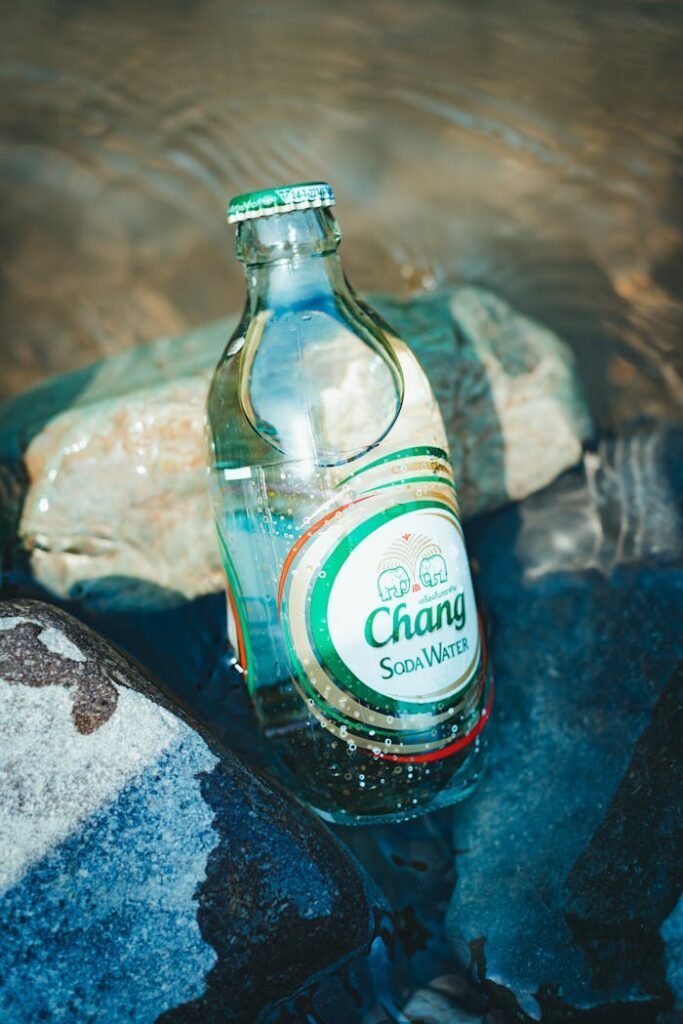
x,y
351,608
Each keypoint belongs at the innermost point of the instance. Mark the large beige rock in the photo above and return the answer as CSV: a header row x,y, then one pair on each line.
x,y
114,455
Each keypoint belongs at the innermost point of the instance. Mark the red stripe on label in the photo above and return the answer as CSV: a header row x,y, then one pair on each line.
x,y
452,748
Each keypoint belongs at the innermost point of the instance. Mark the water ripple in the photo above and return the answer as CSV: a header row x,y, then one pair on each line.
x,y
533,148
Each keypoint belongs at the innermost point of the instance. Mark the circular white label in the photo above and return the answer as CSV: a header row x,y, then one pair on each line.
x,y
402,614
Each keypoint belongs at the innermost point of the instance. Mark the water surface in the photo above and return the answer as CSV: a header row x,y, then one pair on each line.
x,y
535,147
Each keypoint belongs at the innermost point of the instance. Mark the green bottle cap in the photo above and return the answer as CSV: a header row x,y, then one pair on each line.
x,y
280,200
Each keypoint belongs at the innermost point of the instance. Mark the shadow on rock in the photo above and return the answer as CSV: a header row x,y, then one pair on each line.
x,y
564,898
629,878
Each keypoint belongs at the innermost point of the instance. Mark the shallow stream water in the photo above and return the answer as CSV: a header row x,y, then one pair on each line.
x,y
533,147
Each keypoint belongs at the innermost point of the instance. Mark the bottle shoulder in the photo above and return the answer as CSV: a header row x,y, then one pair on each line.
x,y
317,382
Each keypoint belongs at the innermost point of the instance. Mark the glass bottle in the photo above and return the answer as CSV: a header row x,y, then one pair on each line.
x,y
351,607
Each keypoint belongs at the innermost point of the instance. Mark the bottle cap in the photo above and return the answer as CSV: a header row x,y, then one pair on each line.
x,y
283,199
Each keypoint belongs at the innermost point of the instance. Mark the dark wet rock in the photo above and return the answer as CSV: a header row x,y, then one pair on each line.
x,y
147,874
570,875
434,1005
629,877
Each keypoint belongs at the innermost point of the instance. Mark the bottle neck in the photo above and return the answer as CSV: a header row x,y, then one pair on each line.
x,y
291,258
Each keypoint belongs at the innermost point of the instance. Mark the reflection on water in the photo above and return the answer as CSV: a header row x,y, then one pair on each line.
x,y
530,146
534,147
618,508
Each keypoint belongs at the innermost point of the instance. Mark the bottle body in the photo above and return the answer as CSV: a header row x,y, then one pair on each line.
x,y
351,607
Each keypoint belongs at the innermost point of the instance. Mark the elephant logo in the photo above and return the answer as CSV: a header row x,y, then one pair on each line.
x,y
411,562
433,570
393,582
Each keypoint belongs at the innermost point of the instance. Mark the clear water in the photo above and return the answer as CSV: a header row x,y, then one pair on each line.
x,y
534,147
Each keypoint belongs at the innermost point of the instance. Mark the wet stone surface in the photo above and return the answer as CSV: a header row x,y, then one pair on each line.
x,y
544,163
145,874
553,893
568,886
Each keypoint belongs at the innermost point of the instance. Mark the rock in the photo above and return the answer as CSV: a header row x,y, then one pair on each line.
x,y
432,1006
672,935
113,455
146,874
570,863
505,384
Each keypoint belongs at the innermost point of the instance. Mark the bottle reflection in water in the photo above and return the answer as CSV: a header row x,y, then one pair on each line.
x,y
351,608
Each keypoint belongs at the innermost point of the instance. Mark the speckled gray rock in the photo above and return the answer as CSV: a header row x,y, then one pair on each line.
x,y
114,455
144,874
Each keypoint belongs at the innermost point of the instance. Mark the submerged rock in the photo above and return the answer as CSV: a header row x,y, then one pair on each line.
x,y
113,456
570,864
146,874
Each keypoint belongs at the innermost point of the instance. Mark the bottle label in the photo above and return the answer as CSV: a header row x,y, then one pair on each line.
x,y
381,622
